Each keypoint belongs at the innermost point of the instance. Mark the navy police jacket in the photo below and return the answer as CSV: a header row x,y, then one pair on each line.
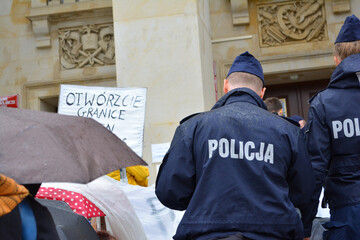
x,y
333,135
238,168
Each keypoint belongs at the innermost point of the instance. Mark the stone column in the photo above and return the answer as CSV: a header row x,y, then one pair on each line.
x,y
165,46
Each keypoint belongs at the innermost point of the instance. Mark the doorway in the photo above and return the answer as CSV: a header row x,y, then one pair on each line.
x,y
296,95
49,104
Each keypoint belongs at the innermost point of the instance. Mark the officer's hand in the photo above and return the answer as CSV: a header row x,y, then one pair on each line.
x,y
307,238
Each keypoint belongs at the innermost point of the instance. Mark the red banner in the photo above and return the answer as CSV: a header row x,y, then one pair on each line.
x,y
9,101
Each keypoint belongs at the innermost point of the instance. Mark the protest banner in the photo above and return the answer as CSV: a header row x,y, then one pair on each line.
x,y
120,110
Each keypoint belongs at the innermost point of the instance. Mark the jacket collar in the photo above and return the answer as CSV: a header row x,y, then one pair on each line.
x,y
344,75
240,95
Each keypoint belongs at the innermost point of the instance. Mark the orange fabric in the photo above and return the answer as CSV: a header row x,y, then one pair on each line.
x,y
11,194
137,175
115,175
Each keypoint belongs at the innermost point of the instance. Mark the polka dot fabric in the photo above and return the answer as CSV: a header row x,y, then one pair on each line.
x,y
78,203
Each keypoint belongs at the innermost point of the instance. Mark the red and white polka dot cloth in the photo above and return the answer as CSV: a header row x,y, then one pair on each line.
x,y
78,203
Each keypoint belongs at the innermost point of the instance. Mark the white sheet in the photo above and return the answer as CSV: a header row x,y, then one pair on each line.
x,y
133,212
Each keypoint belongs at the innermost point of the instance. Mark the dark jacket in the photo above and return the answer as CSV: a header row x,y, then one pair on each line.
x,y
11,223
237,168
333,136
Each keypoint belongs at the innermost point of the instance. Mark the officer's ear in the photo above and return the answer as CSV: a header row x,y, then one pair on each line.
x,y
337,60
226,85
262,93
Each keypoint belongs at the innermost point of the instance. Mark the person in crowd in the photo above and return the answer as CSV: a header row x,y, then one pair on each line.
x,y
105,235
274,105
11,194
299,119
21,216
238,170
333,136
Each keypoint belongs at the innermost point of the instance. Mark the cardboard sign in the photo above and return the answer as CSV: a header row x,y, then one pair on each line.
x,y
120,110
158,151
9,101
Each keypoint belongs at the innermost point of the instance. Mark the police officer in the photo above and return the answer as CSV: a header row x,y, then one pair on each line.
x,y
238,170
333,136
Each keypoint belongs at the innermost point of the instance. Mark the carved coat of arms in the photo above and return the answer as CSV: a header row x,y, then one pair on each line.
x,y
87,46
290,22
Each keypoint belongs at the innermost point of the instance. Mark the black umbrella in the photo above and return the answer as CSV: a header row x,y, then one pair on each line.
x,y
69,225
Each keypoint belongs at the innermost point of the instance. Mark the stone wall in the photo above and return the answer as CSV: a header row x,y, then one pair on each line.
x,y
40,48
288,37
166,47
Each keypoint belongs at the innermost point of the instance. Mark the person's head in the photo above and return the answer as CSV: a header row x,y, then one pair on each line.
x,y
246,71
274,105
105,235
302,123
348,40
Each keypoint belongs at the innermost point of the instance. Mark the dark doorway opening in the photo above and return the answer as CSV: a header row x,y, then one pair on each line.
x,y
296,95
49,104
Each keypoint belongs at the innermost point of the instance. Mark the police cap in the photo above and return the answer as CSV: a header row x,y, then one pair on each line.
x,y
246,62
350,31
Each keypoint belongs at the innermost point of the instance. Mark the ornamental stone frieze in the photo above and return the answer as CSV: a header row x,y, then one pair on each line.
x,y
291,22
91,45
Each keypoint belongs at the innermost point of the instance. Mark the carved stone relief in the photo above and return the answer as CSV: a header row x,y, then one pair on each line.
x,y
91,45
291,22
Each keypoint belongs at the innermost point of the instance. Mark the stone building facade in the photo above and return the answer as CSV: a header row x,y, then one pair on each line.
x,y
179,50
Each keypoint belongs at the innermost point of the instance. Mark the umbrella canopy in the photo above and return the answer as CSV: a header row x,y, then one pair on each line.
x,y
69,225
38,147
76,201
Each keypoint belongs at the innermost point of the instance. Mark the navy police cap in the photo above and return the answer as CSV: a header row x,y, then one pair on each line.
x,y
350,31
246,62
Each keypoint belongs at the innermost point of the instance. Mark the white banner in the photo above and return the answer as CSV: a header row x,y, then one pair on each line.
x,y
158,151
120,110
